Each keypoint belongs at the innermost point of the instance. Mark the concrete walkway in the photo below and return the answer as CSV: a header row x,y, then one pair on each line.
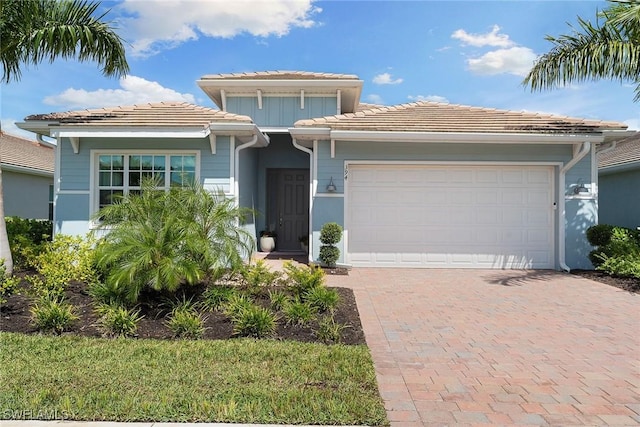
x,y
476,347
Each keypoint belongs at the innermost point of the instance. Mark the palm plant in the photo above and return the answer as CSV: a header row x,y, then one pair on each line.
x,y
610,49
33,31
161,239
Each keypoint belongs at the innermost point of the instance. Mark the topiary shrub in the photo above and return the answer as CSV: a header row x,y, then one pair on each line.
x,y
330,235
599,235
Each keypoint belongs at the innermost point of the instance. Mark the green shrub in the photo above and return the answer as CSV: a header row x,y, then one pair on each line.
x,y
624,265
52,315
118,321
298,313
618,251
26,239
330,235
599,235
278,299
216,297
258,275
303,278
40,288
107,293
254,321
236,304
322,298
329,331
8,284
67,258
185,322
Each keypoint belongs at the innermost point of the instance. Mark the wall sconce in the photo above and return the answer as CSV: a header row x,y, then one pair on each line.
x,y
331,188
580,188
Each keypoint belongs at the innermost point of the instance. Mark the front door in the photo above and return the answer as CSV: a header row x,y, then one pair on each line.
x,y
288,208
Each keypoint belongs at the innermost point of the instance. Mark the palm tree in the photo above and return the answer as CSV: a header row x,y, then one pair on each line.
x,y
32,31
5,251
609,49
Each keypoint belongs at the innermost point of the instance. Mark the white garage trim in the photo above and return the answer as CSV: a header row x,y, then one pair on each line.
x,y
535,248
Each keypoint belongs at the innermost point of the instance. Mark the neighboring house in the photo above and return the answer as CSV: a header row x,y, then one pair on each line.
x,y
619,183
27,177
416,185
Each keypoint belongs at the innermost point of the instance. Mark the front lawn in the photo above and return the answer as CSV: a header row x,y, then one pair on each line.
x,y
243,380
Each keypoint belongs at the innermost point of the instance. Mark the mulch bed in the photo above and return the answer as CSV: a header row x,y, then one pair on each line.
x,y
629,284
15,316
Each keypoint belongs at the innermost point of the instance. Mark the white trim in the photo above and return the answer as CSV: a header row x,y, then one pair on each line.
x,y
236,183
266,130
93,170
312,185
594,176
75,192
338,101
56,182
259,94
333,148
232,165
302,99
462,137
329,195
131,132
75,144
223,98
555,195
26,170
213,142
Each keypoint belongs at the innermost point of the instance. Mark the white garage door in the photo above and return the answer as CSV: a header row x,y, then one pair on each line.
x,y
450,216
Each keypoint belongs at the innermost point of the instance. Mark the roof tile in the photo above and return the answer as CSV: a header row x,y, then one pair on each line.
x,y
21,152
625,152
280,75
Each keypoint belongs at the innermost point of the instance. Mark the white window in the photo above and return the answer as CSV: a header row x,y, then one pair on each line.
x,y
120,174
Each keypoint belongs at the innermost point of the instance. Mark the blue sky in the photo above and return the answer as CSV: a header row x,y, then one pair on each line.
x,y
462,52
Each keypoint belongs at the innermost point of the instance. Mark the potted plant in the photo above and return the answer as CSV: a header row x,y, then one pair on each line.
x,y
267,241
304,242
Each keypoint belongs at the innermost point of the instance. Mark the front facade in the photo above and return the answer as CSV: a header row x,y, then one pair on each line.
x,y
27,177
415,185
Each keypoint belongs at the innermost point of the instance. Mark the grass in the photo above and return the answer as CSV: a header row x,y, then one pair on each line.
x,y
240,380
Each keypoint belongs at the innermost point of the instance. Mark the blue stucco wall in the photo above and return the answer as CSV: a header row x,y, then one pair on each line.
x,y
26,195
619,198
282,111
580,213
73,206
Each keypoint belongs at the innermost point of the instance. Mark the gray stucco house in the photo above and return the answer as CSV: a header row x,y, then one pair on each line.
x,y
422,184
27,177
619,183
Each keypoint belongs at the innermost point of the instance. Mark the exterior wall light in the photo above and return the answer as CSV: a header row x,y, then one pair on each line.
x,y
580,188
331,188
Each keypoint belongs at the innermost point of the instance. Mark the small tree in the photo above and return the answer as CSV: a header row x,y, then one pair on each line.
x,y
330,235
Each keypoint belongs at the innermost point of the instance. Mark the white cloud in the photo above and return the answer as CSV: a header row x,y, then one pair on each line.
x,y
433,98
156,26
375,99
386,79
514,60
135,90
492,38
9,126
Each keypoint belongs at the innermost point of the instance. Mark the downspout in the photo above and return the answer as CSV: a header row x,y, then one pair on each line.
x,y
43,142
236,183
310,152
577,156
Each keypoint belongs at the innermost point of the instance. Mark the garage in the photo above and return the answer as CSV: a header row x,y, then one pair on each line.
x,y
450,216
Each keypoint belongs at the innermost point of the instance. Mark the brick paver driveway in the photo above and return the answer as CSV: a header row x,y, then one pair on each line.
x,y
500,347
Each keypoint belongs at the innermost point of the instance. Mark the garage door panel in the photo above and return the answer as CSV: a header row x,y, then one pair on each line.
x,y
443,216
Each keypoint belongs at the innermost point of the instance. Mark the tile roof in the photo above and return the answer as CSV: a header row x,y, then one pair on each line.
x,y
280,75
16,151
427,116
162,114
626,152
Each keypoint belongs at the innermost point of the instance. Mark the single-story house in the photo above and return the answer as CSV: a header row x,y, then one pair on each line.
x,y
27,177
422,184
619,183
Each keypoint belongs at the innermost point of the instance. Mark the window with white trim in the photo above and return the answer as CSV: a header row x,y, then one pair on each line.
x,y
120,174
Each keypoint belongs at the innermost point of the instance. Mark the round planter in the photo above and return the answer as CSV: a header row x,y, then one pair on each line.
x,y
267,244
